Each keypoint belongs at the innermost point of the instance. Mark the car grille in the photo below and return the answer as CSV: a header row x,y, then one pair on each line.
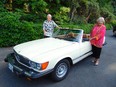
x,y
22,59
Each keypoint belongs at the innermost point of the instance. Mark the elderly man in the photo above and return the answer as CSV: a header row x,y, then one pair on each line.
x,y
48,26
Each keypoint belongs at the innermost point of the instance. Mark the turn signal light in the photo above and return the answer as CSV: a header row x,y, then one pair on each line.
x,y
44,65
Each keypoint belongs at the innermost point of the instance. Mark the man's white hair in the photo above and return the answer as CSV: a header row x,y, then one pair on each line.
x,y
49,15
101,20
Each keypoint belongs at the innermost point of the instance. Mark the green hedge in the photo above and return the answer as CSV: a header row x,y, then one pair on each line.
x,y
86,27
113,22
13,31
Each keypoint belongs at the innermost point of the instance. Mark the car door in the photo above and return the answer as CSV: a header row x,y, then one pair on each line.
x,y
75,51
85,47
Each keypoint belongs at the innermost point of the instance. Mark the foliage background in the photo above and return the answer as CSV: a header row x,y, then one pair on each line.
x,y
21,20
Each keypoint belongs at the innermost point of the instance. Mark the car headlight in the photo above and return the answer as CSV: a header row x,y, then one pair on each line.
x,y
38,66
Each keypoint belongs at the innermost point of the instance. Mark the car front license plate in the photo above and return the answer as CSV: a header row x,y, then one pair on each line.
x,y
10,67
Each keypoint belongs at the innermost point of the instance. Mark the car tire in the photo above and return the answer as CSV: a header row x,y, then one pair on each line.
x,y
6,60
61,70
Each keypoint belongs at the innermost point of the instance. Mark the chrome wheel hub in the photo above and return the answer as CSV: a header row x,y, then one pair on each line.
x,y
61,70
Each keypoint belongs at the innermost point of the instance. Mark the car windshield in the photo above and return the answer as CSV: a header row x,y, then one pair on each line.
x,y
74,35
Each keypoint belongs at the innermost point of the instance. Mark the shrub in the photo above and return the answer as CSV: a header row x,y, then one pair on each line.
x,y
108,26
62,15
13,31
86,27
113,22
2,7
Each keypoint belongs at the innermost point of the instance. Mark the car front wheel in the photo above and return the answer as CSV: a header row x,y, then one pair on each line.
x,y
61,70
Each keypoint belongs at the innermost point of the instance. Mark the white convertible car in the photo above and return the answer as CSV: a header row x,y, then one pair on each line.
x,y
53,55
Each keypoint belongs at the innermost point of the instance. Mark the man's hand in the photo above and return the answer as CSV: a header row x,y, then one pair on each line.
x,y
59,27
44,31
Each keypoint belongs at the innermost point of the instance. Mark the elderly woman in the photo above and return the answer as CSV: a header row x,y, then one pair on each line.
x,y
48,26
97,38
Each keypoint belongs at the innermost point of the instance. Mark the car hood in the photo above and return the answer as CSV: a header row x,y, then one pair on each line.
x,y
36,48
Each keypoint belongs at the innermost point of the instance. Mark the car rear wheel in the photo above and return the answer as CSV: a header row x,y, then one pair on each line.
x,y
61,70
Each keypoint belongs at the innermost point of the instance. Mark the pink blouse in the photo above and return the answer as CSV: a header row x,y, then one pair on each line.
x,y
98,32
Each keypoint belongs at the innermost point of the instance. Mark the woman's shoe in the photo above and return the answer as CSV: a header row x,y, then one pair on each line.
x,y
97,63
94,60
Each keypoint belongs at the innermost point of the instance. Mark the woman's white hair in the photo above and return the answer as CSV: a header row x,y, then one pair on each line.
x,y
49,15
101,20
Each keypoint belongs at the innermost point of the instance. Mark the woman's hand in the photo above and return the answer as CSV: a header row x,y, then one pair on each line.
x,y
92,38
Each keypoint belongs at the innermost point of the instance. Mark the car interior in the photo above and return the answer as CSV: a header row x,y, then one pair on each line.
x,y
71,35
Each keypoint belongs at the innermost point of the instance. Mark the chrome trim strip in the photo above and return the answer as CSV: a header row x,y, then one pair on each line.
x,y
82,55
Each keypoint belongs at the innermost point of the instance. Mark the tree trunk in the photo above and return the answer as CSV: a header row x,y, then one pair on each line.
x,y
87,18
72,12
8,5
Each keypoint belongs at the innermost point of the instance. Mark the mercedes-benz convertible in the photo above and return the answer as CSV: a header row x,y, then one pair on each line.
x,y
54,55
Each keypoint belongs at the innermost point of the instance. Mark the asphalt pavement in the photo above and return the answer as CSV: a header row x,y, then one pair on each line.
x,y
82,74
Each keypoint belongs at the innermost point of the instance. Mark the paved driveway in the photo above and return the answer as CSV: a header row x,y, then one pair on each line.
x,y
83,74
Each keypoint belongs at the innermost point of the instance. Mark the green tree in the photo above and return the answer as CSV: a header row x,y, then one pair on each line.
x,y
81,10
106,9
